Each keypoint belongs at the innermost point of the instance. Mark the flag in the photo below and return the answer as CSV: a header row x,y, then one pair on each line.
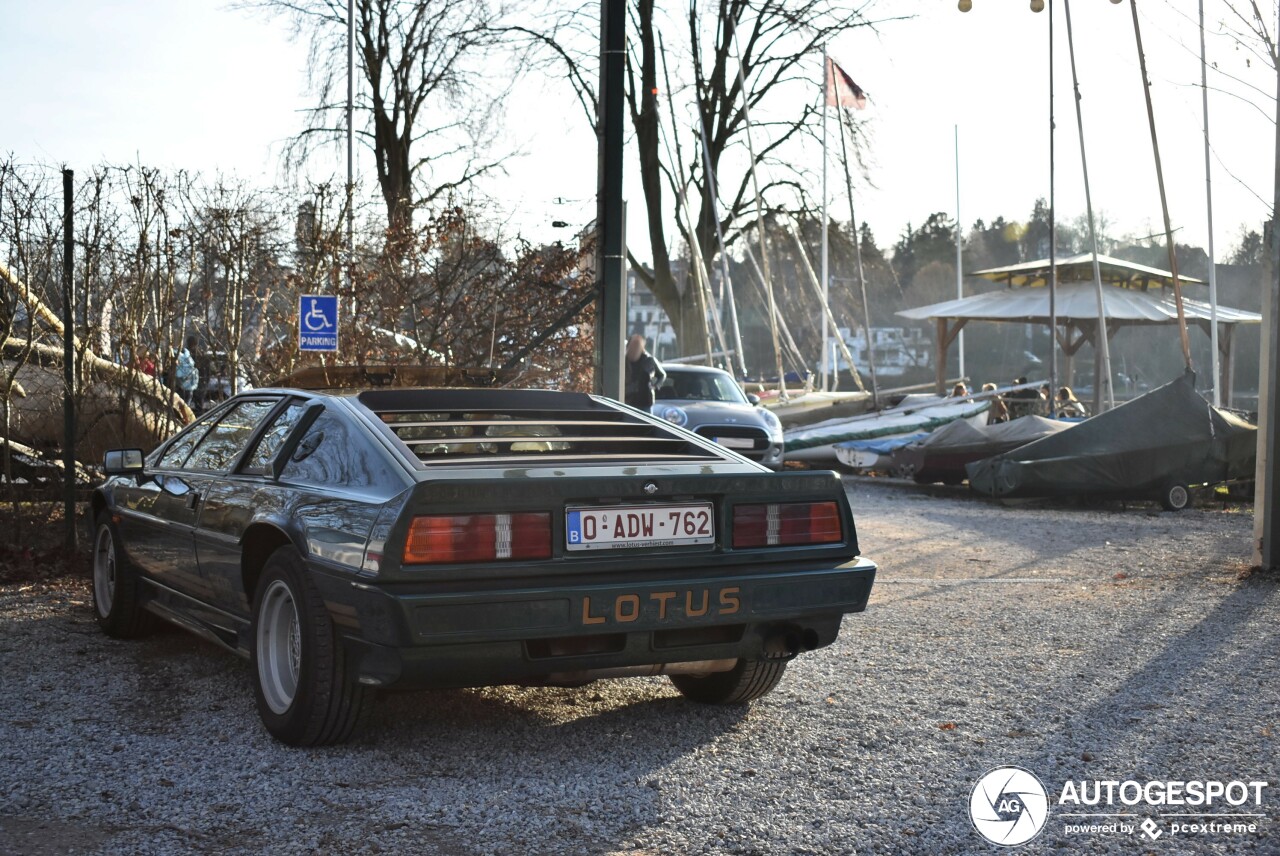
x,y
841,90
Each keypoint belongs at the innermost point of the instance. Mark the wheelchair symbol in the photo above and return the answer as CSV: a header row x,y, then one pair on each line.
x,y
315,319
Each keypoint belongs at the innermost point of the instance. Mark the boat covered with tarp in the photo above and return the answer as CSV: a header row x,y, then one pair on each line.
x,y
1154,447
943,455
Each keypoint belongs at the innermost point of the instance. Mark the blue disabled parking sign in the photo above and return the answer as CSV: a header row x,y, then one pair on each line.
x,y
317,322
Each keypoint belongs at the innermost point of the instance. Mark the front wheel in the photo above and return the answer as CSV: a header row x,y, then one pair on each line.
x,y
307,693
747,681
1175,497
116,585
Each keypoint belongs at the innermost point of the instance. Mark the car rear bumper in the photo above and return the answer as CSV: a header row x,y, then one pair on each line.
x,y
454,639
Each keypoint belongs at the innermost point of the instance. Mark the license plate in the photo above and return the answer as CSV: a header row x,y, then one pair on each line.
x,y
736,442
623,527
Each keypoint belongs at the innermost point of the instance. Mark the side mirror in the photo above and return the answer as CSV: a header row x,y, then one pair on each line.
x,y
122,462
754,399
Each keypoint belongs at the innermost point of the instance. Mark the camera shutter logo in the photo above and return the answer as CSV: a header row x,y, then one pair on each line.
x,y
1009,806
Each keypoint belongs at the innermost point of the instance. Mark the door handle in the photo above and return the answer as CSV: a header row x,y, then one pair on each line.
x,y
193,499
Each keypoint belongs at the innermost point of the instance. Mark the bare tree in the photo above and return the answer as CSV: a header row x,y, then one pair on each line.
x,y
780,53
425,103
238,244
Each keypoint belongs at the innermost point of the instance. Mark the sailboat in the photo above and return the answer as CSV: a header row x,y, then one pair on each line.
x,y
915,414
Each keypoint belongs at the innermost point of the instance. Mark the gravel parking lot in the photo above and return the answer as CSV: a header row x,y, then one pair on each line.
x,y
1114,643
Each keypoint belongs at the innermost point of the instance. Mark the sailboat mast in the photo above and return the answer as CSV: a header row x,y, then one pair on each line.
x,y
862,281
764,247
702,277
1105,394
827,317
727,288
1208,204
1164,201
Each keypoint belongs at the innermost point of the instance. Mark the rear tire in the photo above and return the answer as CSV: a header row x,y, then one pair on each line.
x,y
116,585
306,691
747,681
1175,497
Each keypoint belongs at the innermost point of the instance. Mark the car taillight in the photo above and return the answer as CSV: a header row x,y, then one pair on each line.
x,y
786,523
446,538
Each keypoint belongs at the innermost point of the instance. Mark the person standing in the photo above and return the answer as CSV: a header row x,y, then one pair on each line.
x,y
644,375
186,375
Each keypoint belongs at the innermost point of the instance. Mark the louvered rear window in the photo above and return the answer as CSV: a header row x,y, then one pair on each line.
x,y
523,426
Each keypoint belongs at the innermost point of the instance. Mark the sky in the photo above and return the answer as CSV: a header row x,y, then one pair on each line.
x,y
200,85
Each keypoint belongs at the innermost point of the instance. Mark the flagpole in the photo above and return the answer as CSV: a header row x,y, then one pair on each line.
x,y
826,334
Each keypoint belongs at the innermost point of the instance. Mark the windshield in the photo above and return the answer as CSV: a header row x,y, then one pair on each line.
x,y
700,386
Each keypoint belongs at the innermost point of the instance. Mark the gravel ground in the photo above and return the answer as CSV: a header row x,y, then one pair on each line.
x,y
1113,643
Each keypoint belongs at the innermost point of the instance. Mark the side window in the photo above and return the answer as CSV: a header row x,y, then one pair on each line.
x,y
227,439
329,454
176,455
269,443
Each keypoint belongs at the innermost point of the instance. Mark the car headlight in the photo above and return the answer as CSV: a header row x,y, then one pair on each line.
x,y
771,421
671,413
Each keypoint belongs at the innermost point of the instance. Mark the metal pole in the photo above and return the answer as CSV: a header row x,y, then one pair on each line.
x,y
724,256
68,361
862,281
1103,391
351,241
1053,236
611,265
764,245
1208,203
826,271
959,267
1164,202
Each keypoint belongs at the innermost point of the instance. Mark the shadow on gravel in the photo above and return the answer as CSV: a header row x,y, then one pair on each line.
x,y
577,725
1202,668
433,768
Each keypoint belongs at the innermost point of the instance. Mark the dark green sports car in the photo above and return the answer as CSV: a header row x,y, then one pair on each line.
x,y
403,538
